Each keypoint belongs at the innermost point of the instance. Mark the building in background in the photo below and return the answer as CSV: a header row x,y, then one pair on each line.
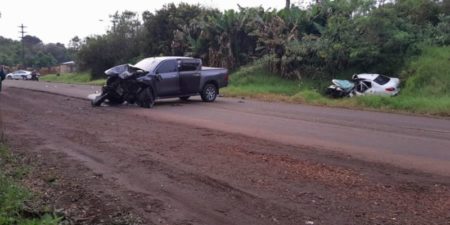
x,y
67,67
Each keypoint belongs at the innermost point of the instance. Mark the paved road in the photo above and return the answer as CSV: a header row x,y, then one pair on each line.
x,y
411,142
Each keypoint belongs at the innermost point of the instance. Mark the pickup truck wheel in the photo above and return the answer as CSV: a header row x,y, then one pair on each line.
x,y
115,101
185,98
209,93
146,98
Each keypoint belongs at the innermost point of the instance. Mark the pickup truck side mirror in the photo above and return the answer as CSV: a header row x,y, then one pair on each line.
x,y
158,77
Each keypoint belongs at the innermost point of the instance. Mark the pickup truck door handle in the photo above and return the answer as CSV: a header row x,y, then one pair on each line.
x,y
196,74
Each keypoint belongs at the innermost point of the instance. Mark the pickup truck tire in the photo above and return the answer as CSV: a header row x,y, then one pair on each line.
x,y
146,98
115,101
209,93
184,98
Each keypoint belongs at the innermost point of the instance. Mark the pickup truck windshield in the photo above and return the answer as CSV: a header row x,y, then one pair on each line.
x,y
147,64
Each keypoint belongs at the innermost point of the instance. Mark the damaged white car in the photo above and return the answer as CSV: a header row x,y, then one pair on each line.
x,y
364,84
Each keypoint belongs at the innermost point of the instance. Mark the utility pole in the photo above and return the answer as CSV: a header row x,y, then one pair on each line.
x,y
288,4
22,32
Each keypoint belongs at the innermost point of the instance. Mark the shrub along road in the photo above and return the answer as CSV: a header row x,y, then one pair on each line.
x,y
236,161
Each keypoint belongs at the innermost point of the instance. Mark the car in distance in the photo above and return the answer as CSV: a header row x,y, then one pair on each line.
x,y
19,75
376,84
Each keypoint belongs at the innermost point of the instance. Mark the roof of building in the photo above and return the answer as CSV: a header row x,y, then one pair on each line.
x,y
68,63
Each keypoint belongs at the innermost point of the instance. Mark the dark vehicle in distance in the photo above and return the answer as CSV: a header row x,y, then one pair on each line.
x,y
162,77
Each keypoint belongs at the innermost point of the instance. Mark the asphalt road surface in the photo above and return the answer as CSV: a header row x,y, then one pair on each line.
x,y
412,142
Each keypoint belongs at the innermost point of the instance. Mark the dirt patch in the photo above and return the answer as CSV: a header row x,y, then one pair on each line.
x,y
110,163
66,196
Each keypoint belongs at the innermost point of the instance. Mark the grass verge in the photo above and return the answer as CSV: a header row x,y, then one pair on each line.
x,y
13,196
72,78
426,81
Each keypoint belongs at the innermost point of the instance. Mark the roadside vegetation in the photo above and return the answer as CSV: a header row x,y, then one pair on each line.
x,y
72,78
293,53
36,55
320,41
424,91
13,196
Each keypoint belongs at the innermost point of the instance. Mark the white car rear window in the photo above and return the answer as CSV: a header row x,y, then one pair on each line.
x,y
382,80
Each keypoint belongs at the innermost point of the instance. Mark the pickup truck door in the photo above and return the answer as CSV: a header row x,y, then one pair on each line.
x,y
169,81
190,75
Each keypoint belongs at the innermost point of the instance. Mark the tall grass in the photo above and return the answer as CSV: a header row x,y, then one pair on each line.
x,y
255,81
13,196
72,78
429,74
252,80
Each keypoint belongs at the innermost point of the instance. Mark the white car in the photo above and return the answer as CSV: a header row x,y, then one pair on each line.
x,y
376,84
19,75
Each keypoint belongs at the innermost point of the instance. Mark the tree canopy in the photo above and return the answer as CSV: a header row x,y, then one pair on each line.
x,y
321,40
36,54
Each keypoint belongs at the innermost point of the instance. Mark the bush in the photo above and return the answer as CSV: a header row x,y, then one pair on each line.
x,y
428,74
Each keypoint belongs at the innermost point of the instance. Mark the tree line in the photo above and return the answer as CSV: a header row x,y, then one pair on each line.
x,y
322,40
36,53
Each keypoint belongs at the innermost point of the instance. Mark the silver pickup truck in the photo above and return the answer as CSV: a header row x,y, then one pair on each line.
x,y
182,77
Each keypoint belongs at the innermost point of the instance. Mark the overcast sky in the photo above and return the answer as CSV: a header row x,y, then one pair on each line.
x,y
59,20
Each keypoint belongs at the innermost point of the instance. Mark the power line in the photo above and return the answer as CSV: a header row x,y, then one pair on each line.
x,y
22,32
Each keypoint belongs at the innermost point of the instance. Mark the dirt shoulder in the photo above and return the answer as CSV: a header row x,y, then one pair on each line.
x,y
106,165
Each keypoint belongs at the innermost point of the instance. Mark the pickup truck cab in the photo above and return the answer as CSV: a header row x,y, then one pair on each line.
x,y
182,77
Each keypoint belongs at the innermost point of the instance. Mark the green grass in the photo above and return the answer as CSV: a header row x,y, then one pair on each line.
x,y
425,87
72,78
254,80
13,196
429,74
